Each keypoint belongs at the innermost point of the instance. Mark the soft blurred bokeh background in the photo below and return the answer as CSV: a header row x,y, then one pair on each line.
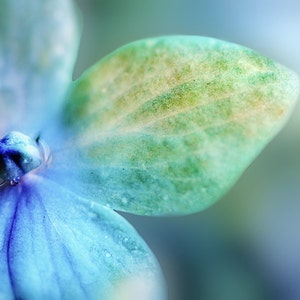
x,y
247,246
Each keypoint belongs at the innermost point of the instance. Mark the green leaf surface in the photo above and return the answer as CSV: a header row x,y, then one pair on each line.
x,y
38,47
167,125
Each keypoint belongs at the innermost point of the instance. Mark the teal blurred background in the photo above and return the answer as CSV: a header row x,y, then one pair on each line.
x,y
247,246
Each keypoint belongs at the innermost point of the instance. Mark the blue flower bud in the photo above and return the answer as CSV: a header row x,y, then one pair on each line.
x,y
19,154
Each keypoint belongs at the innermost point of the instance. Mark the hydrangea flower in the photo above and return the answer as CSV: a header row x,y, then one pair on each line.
x,y
161,126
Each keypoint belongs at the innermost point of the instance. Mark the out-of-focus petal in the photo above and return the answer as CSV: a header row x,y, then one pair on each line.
x,y
167,125
38,45
59,246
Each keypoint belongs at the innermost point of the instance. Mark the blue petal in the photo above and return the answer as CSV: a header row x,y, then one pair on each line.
x,y
60,246
7,211
38,46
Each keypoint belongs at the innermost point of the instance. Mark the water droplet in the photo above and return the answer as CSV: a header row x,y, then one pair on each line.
x,y
107,253
124,200
15,181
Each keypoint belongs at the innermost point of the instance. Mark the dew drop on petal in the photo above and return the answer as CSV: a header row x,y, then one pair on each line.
x,y
124,200
107,254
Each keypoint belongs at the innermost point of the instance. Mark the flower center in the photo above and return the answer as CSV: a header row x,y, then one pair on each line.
x,y
19,154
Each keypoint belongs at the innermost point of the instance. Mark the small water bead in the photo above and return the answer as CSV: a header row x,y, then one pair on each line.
x,y
19,154
124,200
15,181
125,240
107,253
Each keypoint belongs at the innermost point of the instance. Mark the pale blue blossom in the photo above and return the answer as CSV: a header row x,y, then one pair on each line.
x,y
54,244
162,126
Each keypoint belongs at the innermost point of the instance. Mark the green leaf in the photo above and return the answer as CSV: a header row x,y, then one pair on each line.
x,y
167,125
38,47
